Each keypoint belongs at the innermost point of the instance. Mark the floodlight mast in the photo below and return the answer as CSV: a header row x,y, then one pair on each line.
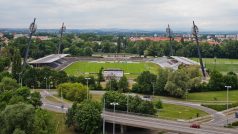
x,y
62,30
32,30
169,34
195,35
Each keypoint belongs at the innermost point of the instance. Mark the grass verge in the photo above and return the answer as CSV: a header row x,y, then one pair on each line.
x,y
174,112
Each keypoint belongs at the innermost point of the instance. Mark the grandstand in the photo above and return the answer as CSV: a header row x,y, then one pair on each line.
x,y
53,60
173,62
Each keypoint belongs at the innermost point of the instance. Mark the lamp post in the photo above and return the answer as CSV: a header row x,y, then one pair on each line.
x,y
127,103
187,94
114,110
153,86
20,78
103,116
227,99
87,87
45,82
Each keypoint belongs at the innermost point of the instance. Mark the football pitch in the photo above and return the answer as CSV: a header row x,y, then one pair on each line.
x,y
221,65
131,69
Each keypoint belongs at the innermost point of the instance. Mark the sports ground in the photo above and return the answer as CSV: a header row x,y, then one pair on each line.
x,y
131,69
221,65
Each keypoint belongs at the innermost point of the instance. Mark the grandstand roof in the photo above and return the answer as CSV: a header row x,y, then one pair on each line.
x,y
48,59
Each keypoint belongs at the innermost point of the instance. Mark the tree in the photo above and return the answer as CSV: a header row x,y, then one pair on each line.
x,y
144,83
16,64
18,131
177,84
8,84
35,99
161,81
73,91
4,62
112,84
123,84
100,75
87,117
43,122
231,80
119,41
216,81
88,51
17,116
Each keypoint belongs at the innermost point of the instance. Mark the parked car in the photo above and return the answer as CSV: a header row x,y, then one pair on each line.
x,y
236,114
146,98
195,126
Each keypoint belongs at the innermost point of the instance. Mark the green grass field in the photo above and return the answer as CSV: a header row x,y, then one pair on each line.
x,y
130,69
210,96
222,65
174,112
61,128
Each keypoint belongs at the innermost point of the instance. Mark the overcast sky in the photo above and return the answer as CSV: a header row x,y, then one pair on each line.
x,y
129,14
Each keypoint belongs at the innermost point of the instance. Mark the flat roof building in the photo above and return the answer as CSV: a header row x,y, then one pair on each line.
x,y
113,72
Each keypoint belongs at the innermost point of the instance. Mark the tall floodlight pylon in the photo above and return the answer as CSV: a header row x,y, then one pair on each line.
x,y
61,31
195,35
32,30
169,34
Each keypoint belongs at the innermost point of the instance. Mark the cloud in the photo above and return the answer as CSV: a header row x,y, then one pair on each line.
x,y
131,14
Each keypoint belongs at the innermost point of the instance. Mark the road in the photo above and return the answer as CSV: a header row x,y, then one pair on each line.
x,y
219,119
159,124
53,106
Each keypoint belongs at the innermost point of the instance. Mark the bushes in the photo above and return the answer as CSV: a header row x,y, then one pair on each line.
x,y
73,91
135,103
158,104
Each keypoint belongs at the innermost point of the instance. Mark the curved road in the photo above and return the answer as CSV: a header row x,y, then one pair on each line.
x,y
218,118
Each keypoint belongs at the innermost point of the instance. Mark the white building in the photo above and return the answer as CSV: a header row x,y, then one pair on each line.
x,y
115,73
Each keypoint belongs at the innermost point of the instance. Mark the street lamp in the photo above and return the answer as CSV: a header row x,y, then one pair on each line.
x,y
45,82
114,109
103,115
127,105
87,87
20,78
187,94
227,99
153,86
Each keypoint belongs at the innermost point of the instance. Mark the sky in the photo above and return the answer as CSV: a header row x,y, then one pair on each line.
x,y
214,15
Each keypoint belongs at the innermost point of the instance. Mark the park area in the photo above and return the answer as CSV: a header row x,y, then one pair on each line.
x,y
221,65
131,69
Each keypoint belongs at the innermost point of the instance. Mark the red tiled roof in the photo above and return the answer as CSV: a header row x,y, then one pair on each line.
x,y
155,39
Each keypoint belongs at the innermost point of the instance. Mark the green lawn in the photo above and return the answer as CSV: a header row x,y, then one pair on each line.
x,y
222,65
61,128
174,112
130,69
213,96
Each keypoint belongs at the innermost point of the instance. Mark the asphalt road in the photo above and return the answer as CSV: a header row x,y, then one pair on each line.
x,y
159,124
219,119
